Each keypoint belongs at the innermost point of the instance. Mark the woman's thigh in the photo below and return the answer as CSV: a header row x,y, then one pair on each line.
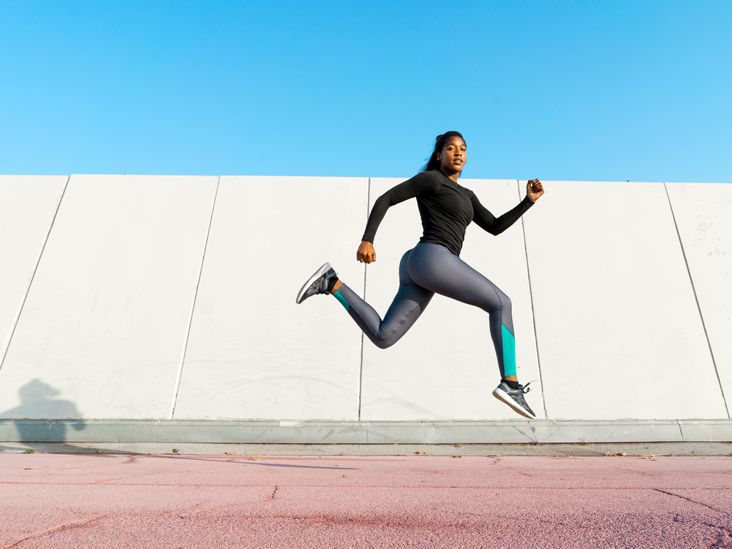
x,y
407,306
435,268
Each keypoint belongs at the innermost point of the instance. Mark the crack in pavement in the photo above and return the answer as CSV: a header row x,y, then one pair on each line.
x,y
692,501
67,526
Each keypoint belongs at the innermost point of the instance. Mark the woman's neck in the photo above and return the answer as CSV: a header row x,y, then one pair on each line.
x,y
452,178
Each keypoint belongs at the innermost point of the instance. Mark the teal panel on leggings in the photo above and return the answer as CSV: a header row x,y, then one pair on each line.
x,y
509,352
342,299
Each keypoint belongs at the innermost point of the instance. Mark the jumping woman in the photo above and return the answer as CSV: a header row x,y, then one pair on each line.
x,y
434,264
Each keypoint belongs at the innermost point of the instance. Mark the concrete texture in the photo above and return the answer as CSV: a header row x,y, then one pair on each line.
x,y
104,324
252,352
366,432
703,215
619,332
28,205
161,308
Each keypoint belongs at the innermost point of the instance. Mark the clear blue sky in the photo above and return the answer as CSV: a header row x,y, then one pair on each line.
x,y
589,90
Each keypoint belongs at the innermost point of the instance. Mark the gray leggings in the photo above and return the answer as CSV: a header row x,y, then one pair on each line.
x,y
425,270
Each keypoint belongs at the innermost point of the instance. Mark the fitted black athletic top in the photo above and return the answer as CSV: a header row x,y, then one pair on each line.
x,y
446,209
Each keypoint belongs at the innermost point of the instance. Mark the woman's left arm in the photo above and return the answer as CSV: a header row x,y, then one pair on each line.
x,y
496,225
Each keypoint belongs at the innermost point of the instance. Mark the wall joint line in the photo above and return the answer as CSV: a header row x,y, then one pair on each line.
x,y
533,310
193,305
360,370
33,275
696,298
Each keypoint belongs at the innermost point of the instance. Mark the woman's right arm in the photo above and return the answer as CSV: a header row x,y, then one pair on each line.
x,y
423,182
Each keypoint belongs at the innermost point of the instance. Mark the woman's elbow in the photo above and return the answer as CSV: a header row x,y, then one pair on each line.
x,y
383,201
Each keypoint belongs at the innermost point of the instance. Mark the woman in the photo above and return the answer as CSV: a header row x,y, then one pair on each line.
x,y
433,265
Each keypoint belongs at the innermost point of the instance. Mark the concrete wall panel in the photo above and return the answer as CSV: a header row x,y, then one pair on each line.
x,y
445,367
703,214
27,207
253,353
618,330
102,331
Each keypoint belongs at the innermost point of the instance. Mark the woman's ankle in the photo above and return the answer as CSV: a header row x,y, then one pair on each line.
x,y
511,381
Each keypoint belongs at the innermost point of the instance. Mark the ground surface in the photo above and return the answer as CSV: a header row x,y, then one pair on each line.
x,y
419,500
576,449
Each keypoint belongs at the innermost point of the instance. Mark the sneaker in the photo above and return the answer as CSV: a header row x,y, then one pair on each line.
x,y
514,398
320,283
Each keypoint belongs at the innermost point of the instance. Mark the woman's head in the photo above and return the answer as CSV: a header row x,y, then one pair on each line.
x,y
449,154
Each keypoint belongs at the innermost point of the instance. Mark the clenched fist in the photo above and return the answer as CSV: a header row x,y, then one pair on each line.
x,y
534,189
366,252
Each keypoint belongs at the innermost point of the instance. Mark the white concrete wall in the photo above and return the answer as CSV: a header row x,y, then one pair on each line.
x,y
168,297
619,332
703,215
252,352
103,328
27,207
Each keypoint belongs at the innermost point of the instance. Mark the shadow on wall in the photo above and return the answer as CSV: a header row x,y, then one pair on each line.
x,y
37,400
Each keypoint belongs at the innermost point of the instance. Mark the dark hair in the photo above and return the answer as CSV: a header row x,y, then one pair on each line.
x,y
440,141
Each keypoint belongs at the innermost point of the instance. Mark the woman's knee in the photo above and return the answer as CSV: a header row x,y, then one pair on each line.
x,y
506,305
384,341
499,302
392,332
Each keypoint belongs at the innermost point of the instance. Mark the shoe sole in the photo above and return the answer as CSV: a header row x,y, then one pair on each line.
x,y
320,272
503,397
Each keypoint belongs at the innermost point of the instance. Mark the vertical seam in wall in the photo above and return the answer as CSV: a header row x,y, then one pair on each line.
x,y
681,431
360,370
533,310
696,298
193,305
33,275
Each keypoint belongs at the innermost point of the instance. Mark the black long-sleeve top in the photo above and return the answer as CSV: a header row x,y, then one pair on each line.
x,y
446,209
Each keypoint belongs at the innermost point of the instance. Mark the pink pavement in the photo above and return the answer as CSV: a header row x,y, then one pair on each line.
x,y
120,501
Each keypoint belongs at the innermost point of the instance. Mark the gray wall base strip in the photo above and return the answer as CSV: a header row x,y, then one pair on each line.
x,y
712,431
364,432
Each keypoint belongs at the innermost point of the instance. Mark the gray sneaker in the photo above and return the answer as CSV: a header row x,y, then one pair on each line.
x,y
515,398
320,283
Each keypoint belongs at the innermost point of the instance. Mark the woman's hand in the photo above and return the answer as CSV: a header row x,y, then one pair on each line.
x,y
366,252
534,189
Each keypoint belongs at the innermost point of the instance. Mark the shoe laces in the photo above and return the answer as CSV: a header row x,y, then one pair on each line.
x,y
525,388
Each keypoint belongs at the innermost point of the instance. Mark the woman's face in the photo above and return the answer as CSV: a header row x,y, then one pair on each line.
x,y
454,155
